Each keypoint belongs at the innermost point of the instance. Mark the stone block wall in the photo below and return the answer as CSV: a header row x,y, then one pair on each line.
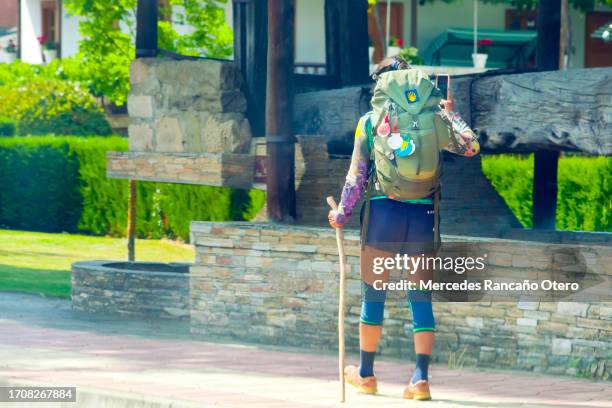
x,y
278,285
98,287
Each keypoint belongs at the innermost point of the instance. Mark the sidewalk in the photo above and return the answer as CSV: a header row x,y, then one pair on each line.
x,y
139,364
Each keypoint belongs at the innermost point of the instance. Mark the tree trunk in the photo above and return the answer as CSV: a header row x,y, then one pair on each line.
x,y
556,110
332,113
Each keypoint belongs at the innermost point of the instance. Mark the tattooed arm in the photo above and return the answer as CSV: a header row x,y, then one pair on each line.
x,y
463,141
356,179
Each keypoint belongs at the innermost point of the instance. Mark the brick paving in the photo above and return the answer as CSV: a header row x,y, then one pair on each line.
x,y
60,347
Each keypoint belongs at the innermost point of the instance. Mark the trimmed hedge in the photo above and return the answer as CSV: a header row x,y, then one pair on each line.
x,y
58,184
585,188
7,127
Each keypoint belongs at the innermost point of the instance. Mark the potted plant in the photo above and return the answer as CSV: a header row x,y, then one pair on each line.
x,y
9,52
480,57
49,49
411,56
395,45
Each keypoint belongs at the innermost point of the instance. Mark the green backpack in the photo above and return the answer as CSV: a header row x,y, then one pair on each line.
x,y
406,136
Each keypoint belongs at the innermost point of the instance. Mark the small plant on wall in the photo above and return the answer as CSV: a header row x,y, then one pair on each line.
x,y
411,55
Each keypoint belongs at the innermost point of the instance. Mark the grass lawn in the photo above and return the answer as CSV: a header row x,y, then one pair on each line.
x,y
39,263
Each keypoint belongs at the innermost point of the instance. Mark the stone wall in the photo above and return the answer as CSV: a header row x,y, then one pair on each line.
x,y
101,287
180,110
278,285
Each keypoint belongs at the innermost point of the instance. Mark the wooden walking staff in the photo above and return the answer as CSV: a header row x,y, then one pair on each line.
x,y
341,289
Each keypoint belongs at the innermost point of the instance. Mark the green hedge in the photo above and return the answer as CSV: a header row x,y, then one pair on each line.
x,y
585,188
7,127
59,184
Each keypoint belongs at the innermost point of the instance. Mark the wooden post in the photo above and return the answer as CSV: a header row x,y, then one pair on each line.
x,y
346,41
414,9
546,162
279,112
146,28
564,44
131,221
545,189
250,55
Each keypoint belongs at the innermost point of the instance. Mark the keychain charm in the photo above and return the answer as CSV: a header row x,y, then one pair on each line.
x,y
385,128
406,149
395,141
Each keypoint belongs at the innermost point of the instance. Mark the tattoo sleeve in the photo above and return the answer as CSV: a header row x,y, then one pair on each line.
x,y
357,176
463,140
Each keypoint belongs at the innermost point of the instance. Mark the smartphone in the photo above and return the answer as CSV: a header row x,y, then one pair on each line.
x,y
443,84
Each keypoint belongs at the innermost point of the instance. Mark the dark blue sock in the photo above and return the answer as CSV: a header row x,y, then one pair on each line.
x,y
422,365
366,363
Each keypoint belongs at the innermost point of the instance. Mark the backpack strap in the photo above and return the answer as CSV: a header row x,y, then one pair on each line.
x,y
436,203
365,223
371,184
369,133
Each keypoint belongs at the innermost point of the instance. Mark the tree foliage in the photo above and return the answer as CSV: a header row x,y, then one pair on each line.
x,y
107,46
208,35
105,51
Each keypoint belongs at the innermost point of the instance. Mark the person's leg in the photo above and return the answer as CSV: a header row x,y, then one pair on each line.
x,y
370,327
420,236
424,326
423,329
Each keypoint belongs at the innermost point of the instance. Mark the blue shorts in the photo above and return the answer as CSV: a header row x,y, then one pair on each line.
x,y
399,227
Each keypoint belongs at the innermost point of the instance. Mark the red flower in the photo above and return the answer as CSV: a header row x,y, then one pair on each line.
x,y
400,42
485,42
42,39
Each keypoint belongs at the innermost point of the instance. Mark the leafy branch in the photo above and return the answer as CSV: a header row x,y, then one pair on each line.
x,y
107,30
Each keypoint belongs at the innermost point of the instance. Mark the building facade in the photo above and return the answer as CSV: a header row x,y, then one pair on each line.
x,y
49,18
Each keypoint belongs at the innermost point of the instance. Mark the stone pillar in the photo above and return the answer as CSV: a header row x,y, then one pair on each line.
x,y
187,106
